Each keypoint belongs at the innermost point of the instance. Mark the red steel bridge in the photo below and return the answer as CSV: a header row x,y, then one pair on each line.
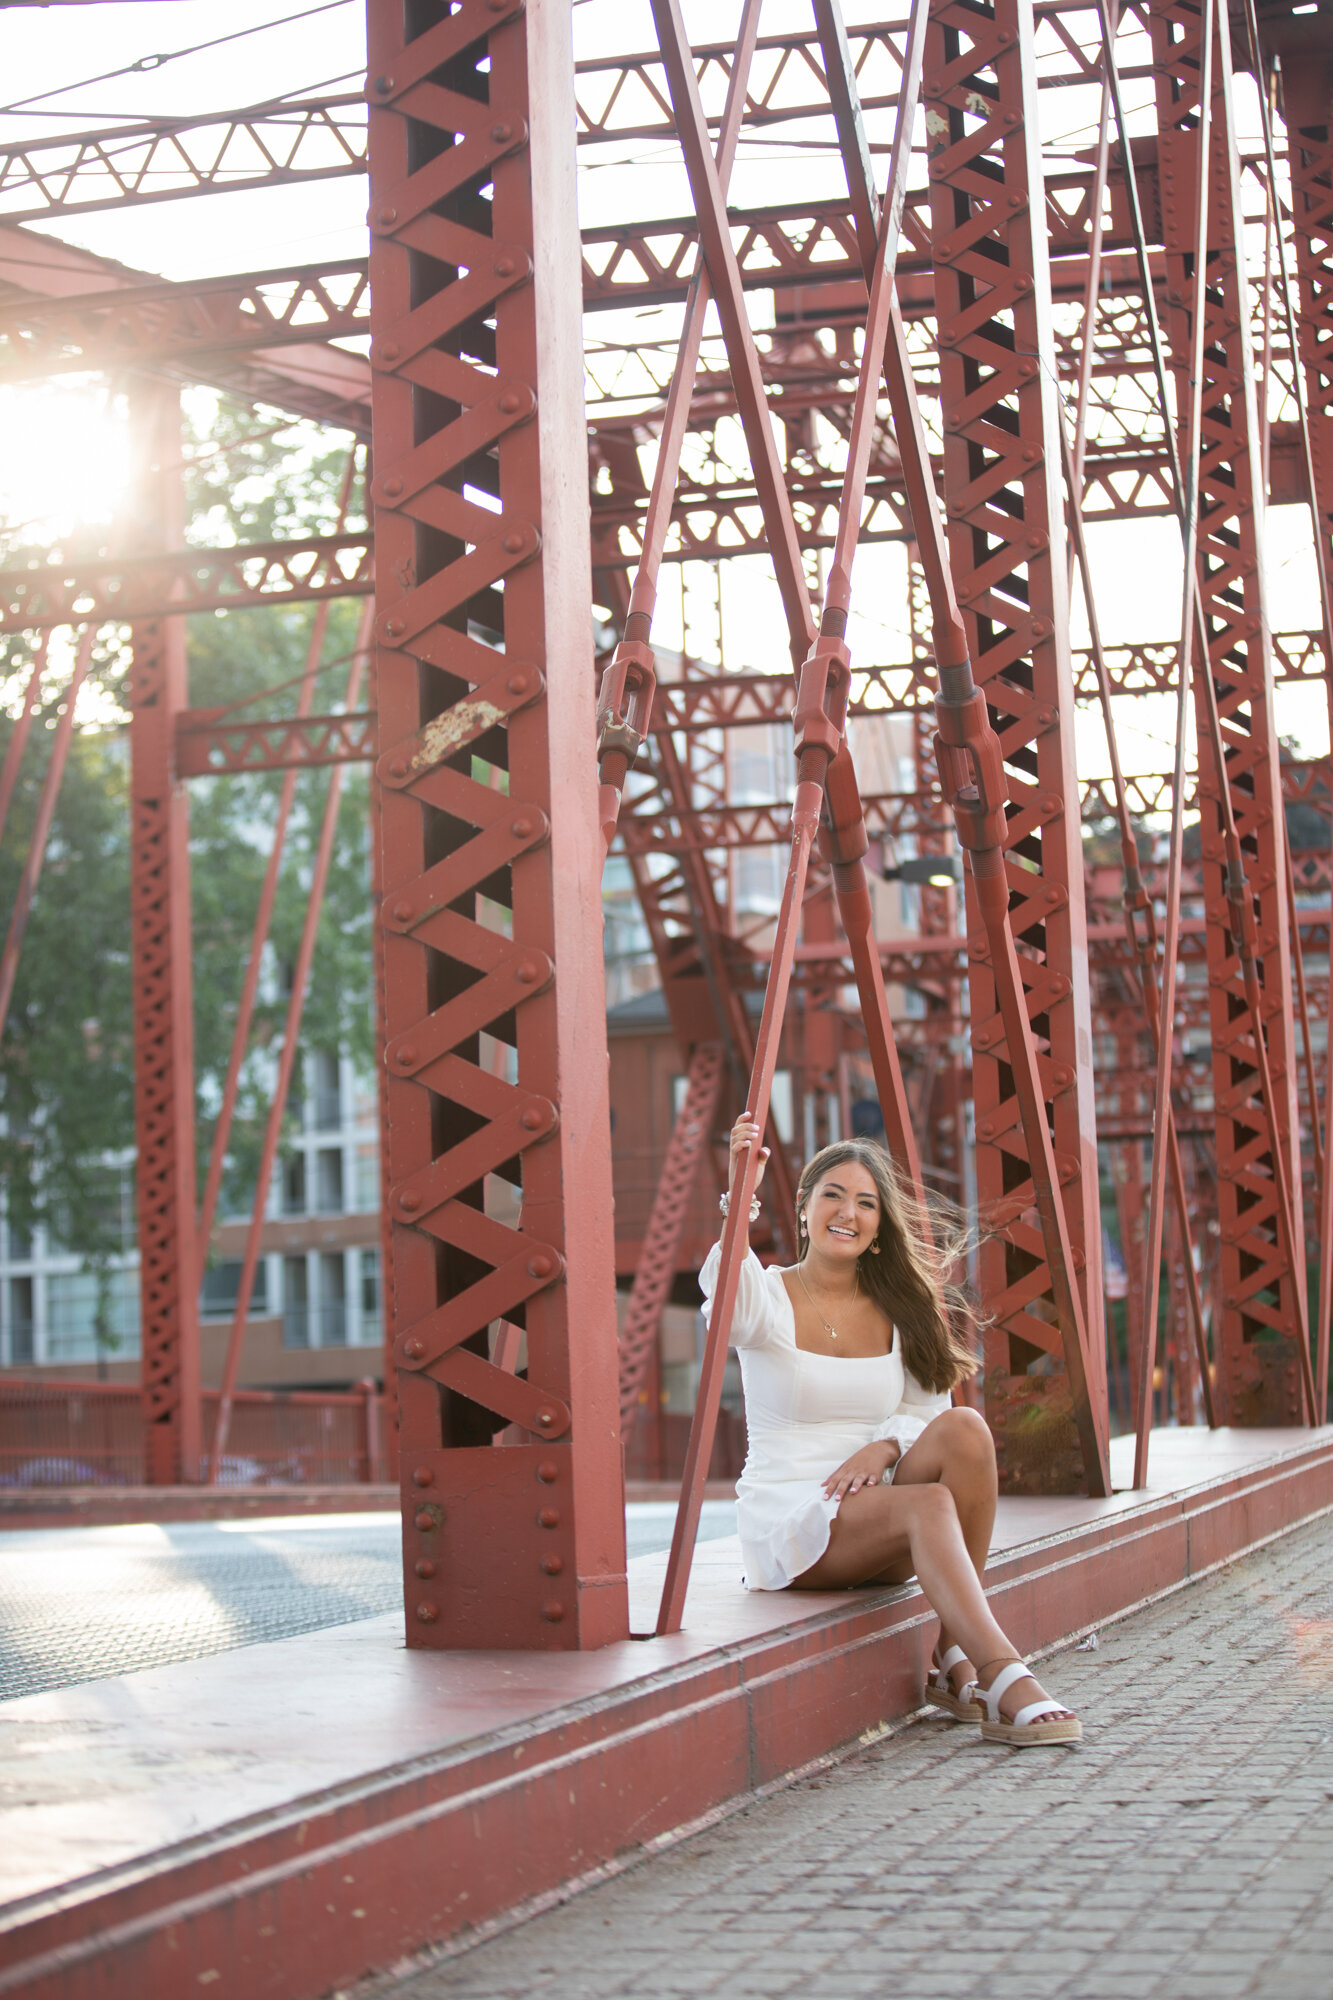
x,y
971,339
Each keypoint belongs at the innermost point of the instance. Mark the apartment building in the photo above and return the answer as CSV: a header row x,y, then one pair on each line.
x,y
315,1318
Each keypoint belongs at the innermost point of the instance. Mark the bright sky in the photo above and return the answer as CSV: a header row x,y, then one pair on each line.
x,y
63,451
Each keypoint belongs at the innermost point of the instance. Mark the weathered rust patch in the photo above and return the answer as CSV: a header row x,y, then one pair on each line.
x,y
447,733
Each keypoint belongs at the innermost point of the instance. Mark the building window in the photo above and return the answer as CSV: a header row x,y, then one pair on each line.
x,y
90,1318
293,1184
217,1297
370,1298
367,1177
332,1299
329,1180
20,1320
295,1303
20,1243
328,1091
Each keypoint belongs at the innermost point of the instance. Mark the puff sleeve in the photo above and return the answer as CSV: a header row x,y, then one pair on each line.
x,y
756,1321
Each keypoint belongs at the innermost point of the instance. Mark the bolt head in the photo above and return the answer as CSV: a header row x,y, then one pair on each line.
x,y
546,1418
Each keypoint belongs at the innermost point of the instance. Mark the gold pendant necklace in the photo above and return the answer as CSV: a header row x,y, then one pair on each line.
x,y
831,1331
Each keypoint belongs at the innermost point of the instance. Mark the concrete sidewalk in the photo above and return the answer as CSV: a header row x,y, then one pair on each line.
x,y
1185,1852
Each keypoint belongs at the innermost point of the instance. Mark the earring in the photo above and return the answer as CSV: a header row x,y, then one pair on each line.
x,y
874,1248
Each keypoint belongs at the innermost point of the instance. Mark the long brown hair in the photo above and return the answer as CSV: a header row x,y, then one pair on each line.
x,y
910,1279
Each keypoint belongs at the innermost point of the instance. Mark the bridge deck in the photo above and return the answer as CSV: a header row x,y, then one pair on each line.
x,y
283,1818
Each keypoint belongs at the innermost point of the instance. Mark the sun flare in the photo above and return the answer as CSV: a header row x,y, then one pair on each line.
x,y
64,459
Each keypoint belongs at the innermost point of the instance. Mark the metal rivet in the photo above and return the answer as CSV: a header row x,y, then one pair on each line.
x,y
522,826
546,1418
401,911
516,684
415,1350
423,1476
410,1203
540,1267
500,133
424,1521
428,1612
553,1612
383,84
393,486
504,267
424,1569
398,769
386,218
529,971
552,1565
406,1058
511,402
548,1518
532,1119
387,350
394,627
548,1472
512,545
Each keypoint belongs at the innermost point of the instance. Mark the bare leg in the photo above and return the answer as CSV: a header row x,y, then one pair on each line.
x,y
892,1532
957,1451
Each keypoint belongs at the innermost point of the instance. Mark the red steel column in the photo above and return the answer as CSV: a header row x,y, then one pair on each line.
x,y
1255,1345
500,1186
160,930
1006,550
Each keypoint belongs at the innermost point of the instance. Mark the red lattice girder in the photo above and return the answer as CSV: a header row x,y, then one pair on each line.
x,y
498,1123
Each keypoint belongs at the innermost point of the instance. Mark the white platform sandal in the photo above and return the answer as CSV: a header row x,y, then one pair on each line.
x,y
962,1706
1027,1726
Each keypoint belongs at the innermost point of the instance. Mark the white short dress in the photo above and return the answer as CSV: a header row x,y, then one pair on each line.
x,y
805,1414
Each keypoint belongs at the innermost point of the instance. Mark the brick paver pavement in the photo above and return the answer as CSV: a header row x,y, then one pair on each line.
x,y
1185,1852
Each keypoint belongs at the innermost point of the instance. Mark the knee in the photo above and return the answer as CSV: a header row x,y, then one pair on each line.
x,y
967,1439
932,1505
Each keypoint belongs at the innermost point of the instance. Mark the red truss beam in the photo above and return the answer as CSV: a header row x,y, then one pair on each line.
x,y
1006,550
175,323
497,1114
207,745
1262,1287
107,591
262,145
163,1020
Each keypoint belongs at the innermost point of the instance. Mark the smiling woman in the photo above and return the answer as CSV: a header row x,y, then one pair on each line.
x,y
66,462
857,1470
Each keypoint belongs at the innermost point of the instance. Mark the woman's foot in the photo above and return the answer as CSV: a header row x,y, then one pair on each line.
x,y
1018,1709
951,1684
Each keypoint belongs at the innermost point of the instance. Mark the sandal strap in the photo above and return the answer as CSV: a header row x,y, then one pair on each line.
x,y
1034,1712
1017,1670
953,1658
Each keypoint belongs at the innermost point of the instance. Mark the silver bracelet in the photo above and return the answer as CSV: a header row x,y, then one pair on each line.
x,y
724,1203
